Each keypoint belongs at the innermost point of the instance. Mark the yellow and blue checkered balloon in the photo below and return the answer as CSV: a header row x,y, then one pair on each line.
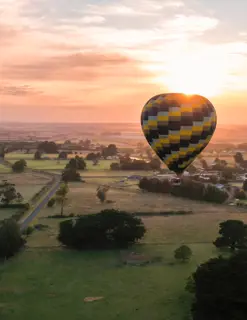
x,y
178,127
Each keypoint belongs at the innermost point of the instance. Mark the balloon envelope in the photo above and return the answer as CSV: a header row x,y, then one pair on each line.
x,y
178,127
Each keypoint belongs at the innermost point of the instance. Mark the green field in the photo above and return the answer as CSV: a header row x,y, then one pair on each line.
x,y
4,169
46,282
27,184
53,284
30,156
60,165
7,213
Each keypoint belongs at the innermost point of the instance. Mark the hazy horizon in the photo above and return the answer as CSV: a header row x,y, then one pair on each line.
x,y
102,60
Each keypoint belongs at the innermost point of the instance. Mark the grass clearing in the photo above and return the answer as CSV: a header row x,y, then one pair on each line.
x,y
47,284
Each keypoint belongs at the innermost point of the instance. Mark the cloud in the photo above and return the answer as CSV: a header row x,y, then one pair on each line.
x,y
23,90
74,67
96,53
92,19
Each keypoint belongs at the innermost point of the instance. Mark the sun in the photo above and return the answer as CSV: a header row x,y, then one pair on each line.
x,y
194,74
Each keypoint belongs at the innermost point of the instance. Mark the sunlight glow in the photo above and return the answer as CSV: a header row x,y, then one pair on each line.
x,y
195,74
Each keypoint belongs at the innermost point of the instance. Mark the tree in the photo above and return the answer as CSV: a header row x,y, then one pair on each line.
x,y
245,185
48,147
61,196
71,174
51,202
8,193
10,238
37,155
104,230
19,166
204,164
3,151
183,253
125,159
238,157
77,163
233,234
63,155
101,193
115,166
109,151
219,287
93,156
85,143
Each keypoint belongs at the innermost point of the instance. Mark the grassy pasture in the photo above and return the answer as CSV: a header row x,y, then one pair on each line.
x,y
26,183
47,284
60,164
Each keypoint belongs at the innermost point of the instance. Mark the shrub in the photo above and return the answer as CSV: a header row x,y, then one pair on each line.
x,y
40,226
77,163
51,202
71,174
189,189
107,229
101,194
29,230
15,205
245,185
143,183
183,253
213,194
19,166
115,166
240,194
10,238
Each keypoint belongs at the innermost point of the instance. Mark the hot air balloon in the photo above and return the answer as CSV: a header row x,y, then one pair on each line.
x,y
178,127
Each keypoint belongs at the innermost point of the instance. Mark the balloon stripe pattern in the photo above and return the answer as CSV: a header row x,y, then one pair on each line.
x,y
178,127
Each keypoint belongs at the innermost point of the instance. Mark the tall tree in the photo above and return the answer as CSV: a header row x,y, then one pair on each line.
x,y
48,147
233,234
70,174
204,164
245,185
220,289
37,155
77,163
238,157
61,196
109,151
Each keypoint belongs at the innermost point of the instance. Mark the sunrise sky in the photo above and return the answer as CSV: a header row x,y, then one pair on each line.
x,y
101,60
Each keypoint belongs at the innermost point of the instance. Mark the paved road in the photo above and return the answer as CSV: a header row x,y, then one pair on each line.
x,y
36,210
